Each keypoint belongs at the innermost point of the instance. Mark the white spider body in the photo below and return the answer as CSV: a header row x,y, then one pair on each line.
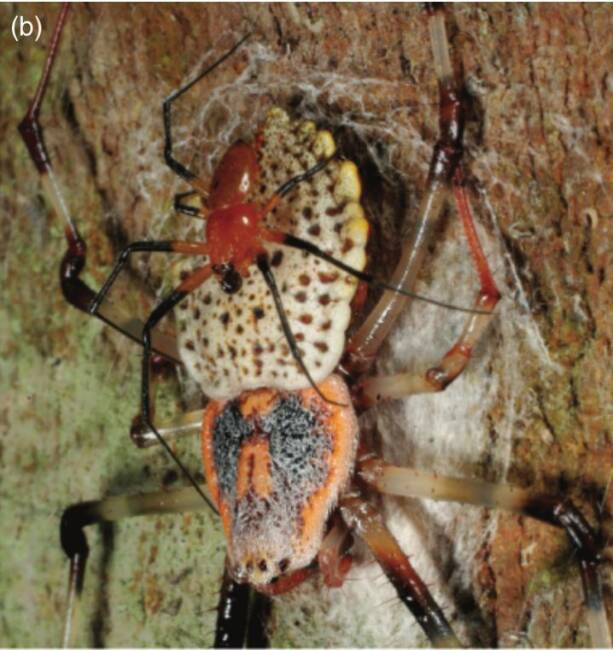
x,y
231,343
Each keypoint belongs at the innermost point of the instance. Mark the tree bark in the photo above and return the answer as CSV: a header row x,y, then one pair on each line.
x,y
533,409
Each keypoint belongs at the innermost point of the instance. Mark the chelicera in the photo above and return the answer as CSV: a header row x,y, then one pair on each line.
x,y
281,450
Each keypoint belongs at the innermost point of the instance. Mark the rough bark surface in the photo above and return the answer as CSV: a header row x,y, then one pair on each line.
x,y
541,170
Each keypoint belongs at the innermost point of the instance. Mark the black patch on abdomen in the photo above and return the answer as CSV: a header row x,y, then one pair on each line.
x,y
230,429
299,448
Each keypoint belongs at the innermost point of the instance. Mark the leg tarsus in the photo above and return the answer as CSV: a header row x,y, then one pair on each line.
x,y
76,577
560,512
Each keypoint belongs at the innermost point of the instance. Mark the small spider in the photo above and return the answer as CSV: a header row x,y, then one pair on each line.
x,y
445,165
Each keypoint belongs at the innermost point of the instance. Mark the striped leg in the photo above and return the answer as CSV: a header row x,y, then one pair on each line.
x,y
74,541
368,523
75,290
374,389
402,481
242,614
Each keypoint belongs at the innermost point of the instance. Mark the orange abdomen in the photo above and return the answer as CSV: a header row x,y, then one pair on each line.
x,y
275,463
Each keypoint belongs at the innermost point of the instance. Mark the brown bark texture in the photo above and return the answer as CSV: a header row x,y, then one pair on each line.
x,y
533,409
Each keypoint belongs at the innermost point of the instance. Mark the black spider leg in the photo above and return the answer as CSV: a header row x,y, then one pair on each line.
x,y
107,511
289,185
259,615
75,290
269,278
156,315
134,247
587,543
309,247
232,613
242,616
185,208
179,169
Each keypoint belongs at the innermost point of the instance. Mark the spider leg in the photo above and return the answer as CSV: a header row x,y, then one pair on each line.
x,y
232,613
138,432
287,239
368,523
373,389
74,541
75,290
264,267
177,167
332,562
185,208
162,343
259,615
365,342
289,185
560,512
183,424
240,613
166,246
191,282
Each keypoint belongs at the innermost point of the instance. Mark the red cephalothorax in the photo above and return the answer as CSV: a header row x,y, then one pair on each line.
x,y
234,235
234,177
233,232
